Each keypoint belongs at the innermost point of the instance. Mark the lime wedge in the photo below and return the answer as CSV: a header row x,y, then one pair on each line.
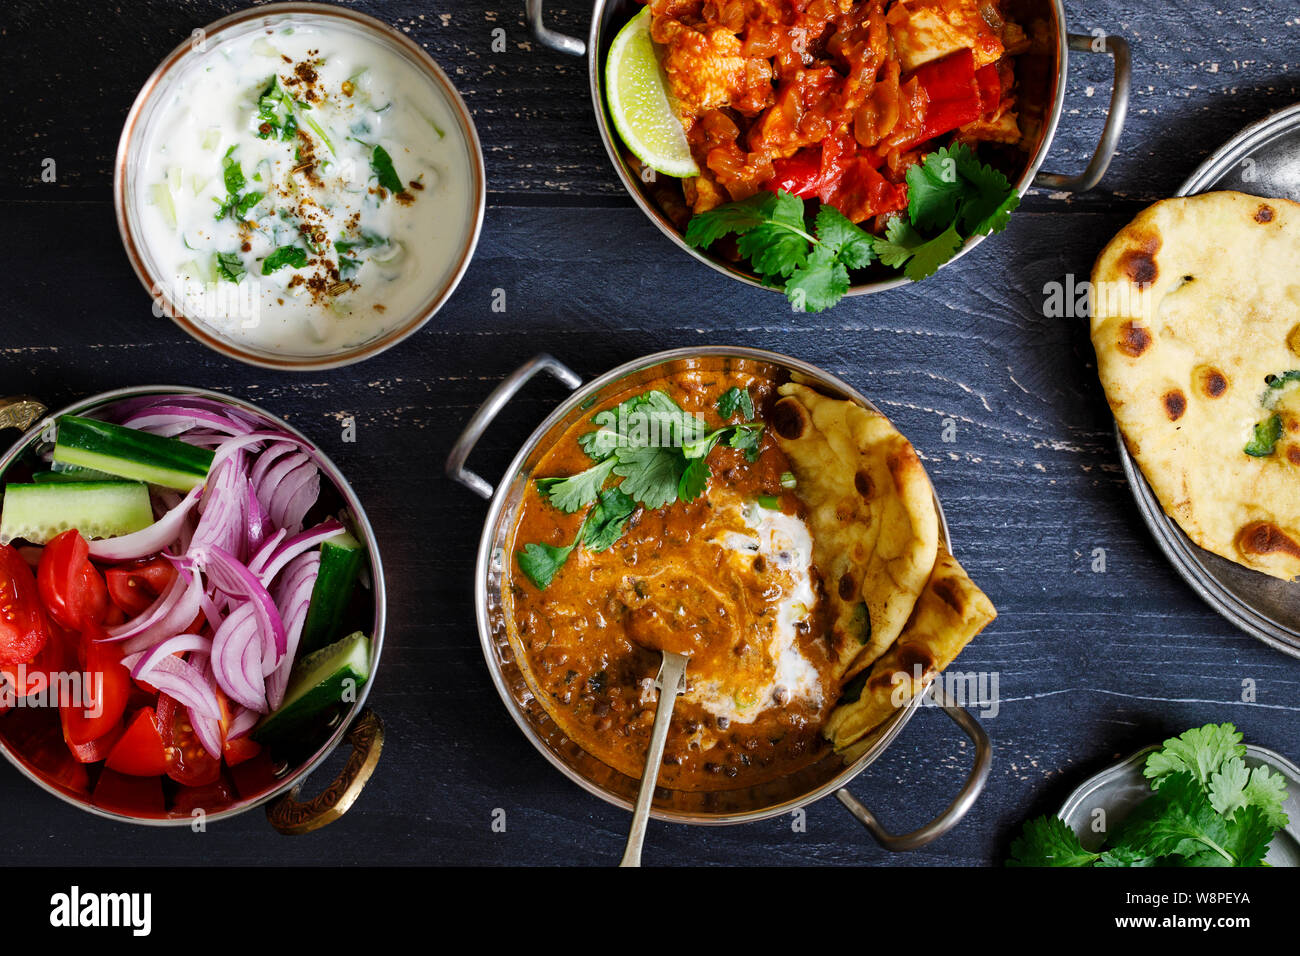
x,y
643,111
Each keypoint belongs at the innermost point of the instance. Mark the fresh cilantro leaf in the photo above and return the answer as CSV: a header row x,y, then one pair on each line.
x,y
849,243
382,164
1199,751
1267,434
230,266
348,267
903,246
779,244
650,473
1178,820
649,419
745,438
233,174
819,284
736,399
575,493
244,205
935,189
292,256
275,111
1047,841
706,228
1234,786
607,520
694,479
541,562
989,199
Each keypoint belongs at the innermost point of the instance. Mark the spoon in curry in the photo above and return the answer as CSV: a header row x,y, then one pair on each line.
x,y
671,682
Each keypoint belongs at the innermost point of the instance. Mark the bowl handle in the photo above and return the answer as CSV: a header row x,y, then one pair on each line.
x,y
290,816
964,800
20,412
556,41
499,399
1117,48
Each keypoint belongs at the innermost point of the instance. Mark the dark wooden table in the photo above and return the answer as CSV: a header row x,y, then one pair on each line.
x,y
1091,665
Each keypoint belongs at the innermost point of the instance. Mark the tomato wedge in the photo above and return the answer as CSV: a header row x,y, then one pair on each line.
x,y
23,630
71,589
140,751
129,795
190,764
106,685
93,751
134,587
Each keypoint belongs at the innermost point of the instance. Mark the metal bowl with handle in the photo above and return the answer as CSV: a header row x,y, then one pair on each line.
x,y
279,789
831,774
1042,76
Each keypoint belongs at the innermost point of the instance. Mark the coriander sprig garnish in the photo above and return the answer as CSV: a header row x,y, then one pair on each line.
x,y
1207,809
656,454
952,196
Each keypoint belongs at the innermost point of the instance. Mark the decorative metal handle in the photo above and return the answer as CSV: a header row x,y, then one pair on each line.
x,y
1117,48
950,817
500,397
20,412
367,739
556,41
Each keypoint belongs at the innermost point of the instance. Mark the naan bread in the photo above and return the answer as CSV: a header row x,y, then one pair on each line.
x,y
950,612
1196,309
871,514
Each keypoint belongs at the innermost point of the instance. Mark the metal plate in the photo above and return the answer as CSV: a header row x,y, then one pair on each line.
x,y
1263,160
1120,788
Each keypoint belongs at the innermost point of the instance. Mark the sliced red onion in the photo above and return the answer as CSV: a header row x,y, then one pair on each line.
x,y
205,728
266,551
173,420
181,680
150,540
222,524
268,566
234,578
242,723
168,616
266,459
244,684
294,496
258,526
182,643
293,601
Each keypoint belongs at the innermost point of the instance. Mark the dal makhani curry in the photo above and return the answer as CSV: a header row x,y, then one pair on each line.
x,y
786,542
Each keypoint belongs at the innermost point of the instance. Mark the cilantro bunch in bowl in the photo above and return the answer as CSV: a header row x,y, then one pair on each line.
x,y
952,197
1207,808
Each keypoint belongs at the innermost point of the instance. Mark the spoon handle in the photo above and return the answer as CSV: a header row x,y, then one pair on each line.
x,y
671,682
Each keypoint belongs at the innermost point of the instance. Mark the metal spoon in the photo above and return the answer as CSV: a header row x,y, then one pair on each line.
x,y
671,682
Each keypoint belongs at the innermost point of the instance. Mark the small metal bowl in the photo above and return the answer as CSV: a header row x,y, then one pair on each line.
x,y
359,725
1041,88
1118,790
128,192
831,774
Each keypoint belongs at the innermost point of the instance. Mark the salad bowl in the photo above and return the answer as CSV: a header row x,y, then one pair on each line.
x,y
275,776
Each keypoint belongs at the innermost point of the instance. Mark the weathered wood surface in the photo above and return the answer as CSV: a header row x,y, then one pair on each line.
x,y
1091,666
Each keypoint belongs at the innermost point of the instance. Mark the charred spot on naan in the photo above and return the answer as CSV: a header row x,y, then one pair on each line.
x,y
1138,261
1264,214
1210,382
1133,339
1263,538
1175,403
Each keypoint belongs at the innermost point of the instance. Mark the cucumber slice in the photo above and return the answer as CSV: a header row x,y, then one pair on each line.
x,y
317,685
340,564
66,473
98,509
128,453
